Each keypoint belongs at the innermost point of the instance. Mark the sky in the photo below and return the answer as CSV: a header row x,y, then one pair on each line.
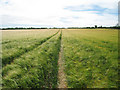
x,y
58,13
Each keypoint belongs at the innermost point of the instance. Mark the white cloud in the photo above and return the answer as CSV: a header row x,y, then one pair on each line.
x,y
52,13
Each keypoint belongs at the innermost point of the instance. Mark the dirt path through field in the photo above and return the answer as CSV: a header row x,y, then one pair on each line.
x,y
61,75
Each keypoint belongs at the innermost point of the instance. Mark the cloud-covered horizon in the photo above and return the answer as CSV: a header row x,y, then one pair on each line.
x,y
58,13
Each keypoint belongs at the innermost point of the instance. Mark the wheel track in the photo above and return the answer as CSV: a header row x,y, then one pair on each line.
x,y
61,75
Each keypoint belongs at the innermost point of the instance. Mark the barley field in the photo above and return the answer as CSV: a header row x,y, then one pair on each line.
x,y
89,58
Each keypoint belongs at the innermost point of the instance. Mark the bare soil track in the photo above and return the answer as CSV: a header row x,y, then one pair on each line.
x,y
61,75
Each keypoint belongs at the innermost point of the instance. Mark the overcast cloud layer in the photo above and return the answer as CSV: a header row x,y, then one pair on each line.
x,y
58,13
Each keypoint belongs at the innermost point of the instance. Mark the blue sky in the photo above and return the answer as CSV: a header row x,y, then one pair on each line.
x,y
82,8
58,13
98,10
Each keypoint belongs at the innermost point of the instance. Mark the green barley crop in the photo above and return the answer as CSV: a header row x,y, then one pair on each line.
x,y
90,58
30,58
18,47
37,68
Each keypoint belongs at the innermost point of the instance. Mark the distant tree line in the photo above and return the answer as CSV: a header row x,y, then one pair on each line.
x,y
95,27
29,28
112,27
22,28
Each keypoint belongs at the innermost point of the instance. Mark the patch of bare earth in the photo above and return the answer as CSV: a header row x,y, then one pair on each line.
x,y
61,75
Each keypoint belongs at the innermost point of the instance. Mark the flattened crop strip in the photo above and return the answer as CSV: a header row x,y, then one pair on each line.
x,y
61,75
6,42
8,60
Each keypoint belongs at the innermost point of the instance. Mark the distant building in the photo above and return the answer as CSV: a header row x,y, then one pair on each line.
x,y
119,13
